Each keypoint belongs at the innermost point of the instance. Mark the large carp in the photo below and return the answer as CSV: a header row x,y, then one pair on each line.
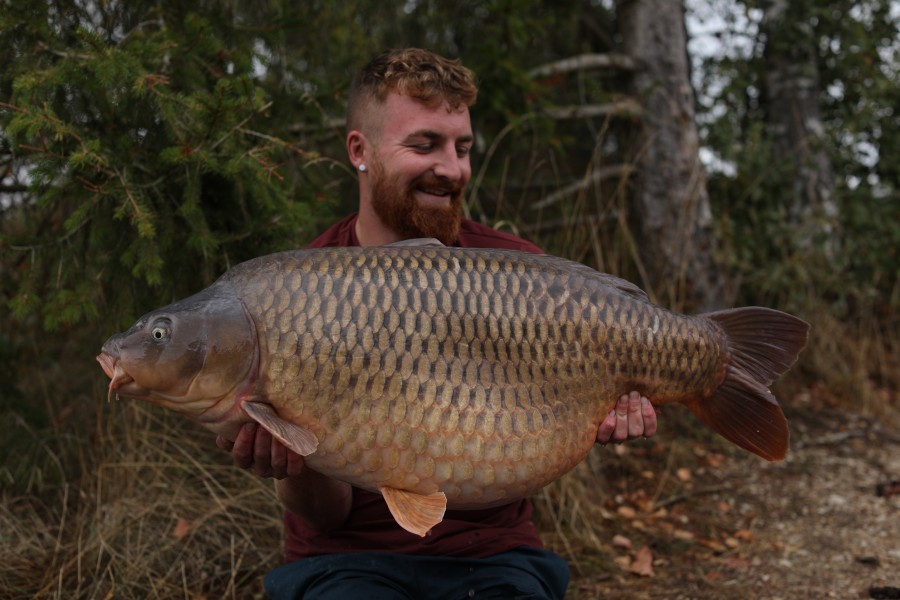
x,y
446,376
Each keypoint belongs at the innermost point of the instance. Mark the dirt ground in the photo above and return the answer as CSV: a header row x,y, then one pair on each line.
x,y
824,523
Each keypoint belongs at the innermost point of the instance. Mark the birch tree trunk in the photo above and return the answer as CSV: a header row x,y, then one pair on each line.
x,y
671,202
794,118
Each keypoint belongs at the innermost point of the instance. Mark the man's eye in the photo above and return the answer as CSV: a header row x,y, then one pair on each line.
x,y
424,147
463,151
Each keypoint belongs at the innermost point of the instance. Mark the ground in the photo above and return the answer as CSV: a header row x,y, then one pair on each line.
x,y
824,523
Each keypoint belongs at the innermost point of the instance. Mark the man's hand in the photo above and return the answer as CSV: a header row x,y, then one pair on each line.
x,y
633,417
323,503
255,449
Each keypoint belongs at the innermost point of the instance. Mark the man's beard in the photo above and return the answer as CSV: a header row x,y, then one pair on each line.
x,y
395,204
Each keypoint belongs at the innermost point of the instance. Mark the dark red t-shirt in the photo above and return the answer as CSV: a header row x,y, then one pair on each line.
x,y
370,527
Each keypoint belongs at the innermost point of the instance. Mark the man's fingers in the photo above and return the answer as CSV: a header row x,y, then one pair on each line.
x,y
648,414
242,449
262,453
607,428
254,448
621,433
279,460
295,464
635,418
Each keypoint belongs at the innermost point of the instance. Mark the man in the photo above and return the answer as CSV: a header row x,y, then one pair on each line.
x,y
410,136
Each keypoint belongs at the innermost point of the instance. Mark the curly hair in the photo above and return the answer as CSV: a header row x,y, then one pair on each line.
x,y
413,72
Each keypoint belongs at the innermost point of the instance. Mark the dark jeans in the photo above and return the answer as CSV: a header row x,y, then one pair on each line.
x,y
520,573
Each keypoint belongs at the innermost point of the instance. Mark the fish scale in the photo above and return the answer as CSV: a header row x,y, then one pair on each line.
x,y
447,376
471,328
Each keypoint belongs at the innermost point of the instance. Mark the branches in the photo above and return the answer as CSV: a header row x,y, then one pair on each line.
x,y
582,62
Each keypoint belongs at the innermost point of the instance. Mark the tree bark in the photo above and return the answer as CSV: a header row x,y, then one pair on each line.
x,y
671,203
794,118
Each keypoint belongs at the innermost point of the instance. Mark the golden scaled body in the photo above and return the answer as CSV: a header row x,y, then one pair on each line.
x,y
481,374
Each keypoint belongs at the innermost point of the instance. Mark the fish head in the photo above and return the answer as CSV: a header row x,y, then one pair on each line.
x,y
197,356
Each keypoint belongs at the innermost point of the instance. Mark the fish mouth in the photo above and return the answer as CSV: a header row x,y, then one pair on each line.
x,y
119,378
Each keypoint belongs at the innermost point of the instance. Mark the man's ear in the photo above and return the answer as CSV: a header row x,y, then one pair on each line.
x,y
357,145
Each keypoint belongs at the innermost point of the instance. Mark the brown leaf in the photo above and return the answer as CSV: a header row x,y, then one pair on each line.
x,y
744,534
683,474
715,460
713,545
182,528
660,513
643,563
620,541
645,504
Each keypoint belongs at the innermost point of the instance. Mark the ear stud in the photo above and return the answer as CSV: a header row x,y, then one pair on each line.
x,y
362,168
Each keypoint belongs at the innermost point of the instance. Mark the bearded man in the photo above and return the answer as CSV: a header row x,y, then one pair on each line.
x,y
410,138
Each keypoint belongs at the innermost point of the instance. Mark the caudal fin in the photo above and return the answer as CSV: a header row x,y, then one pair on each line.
x,y
762,344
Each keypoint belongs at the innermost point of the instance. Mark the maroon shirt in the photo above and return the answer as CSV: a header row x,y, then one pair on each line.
x,y
370,526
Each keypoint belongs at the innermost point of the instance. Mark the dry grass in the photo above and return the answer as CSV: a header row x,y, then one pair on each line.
x,y
145,507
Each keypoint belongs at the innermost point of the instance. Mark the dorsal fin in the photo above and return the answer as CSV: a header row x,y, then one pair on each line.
x,y
624,286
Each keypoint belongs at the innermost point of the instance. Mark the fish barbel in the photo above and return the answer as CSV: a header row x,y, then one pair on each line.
x,y
443,376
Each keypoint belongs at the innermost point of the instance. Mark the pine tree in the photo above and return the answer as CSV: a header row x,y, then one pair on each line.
x,y
135,135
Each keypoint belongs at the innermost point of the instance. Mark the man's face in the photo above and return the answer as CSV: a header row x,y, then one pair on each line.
x,y
421,168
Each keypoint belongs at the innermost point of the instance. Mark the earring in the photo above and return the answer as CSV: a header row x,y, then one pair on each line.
x,y
362,168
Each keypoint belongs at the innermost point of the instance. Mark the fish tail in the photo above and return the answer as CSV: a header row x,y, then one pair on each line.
x,y
762,344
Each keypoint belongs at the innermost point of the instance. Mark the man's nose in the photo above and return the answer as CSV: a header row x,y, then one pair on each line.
x,y
449,165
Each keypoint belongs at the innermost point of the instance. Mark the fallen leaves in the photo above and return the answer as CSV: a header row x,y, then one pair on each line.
x,y
657,525
641,563
182,528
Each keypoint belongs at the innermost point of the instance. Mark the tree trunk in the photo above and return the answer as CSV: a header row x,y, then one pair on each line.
x,y
671,202
794,119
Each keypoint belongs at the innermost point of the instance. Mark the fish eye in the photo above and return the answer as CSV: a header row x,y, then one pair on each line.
x,y
160,332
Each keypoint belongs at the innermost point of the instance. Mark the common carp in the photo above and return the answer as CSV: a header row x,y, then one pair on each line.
x,y
443,376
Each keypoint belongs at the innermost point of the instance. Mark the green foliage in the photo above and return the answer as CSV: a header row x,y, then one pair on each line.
x,y
147,170
152,145
854,256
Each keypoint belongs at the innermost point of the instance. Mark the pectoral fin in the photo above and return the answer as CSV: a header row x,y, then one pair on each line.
x,y
299,439
414,512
